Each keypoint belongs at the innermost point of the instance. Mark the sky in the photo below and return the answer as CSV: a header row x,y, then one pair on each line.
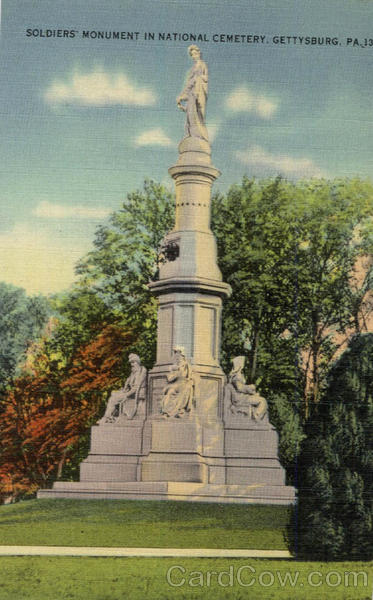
x,y
83,120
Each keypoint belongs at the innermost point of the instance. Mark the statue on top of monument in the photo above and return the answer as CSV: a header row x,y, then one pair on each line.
x,y
178,394
125,401
243,398
194,95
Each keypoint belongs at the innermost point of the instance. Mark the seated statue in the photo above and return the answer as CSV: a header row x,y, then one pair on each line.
x,y
178,394
124,402
244,398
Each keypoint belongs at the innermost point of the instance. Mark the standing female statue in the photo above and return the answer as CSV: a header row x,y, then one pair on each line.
x,y
194,95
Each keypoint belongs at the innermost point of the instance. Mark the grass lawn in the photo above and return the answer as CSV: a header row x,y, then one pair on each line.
x,y
40,578
131,523
167,524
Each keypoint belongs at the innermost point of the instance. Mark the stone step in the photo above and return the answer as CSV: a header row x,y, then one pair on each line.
x,y
184,491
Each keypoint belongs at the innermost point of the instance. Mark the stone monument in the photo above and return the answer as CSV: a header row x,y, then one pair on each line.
x,y
182,431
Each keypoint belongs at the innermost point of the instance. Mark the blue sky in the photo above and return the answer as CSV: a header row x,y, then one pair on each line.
x,y
85,121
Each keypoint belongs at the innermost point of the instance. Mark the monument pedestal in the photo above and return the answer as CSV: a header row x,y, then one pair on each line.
x,y
174,452
176,459
115,452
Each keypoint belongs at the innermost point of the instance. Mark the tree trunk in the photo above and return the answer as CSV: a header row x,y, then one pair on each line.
x,y
315,373
255,356
61,464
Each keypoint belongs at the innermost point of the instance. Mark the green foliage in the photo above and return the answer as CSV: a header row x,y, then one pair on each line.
x,y
124,260
290,252
81,317
336,465
254,260
70,470
336,232
22,320
288,423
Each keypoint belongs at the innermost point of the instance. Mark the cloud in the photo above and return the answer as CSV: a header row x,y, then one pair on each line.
x,y
213,130
38,261
153,137
99,89
47,210
243,100
279,163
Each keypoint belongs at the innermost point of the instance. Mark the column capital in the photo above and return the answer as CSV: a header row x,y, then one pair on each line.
x,y
208,172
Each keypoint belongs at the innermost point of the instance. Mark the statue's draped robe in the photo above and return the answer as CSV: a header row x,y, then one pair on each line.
x,y
128,397
195,91
244,398
178,394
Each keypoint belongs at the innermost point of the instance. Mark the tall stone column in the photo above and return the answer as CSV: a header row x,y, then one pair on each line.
x,y
190,287
190,291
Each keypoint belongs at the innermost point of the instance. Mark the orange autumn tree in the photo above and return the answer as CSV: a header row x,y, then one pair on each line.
x,y
97,366
53,405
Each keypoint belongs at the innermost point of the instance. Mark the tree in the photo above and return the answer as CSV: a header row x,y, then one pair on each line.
x,y
124,260
80,316
335,469
292,253
257,239
333,289
22,320
50,409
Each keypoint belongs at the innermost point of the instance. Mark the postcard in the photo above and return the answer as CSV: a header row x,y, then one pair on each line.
x,y
186,308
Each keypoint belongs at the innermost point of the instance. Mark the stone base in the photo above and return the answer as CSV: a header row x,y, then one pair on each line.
x,y
190,451
187,492
181,459
115,452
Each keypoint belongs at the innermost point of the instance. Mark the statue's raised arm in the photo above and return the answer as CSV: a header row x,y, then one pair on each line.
x,y
193,98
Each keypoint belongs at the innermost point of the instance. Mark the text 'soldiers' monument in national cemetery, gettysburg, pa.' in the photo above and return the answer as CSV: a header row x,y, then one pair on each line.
x,y
185,431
